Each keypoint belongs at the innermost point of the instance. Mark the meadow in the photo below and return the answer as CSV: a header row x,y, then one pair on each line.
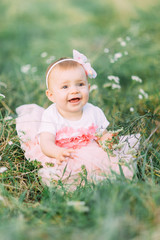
x,y
121,39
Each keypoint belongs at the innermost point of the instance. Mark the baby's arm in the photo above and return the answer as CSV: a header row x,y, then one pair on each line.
x,y
50,149
108,136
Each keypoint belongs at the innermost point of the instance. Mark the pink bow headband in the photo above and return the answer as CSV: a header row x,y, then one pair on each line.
x,y
77,57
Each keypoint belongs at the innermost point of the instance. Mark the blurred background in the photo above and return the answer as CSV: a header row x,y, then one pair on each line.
x,y
120,37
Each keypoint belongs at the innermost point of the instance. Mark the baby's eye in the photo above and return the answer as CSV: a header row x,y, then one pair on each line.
x,y
81,84
65,87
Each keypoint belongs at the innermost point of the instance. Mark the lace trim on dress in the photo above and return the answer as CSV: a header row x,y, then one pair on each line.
x,y
85,136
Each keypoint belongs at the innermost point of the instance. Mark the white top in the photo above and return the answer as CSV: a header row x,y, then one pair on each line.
x,y
53,122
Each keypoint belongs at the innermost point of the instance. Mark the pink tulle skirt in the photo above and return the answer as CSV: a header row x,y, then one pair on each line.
x,y
91,160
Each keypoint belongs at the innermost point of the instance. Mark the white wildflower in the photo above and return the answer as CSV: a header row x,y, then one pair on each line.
x,y
3,169
126,53
1,96
140,96
93,87
136,78
50,59
78,206
34,69
3,84
128,38
131,109
116,86
112,60
115,78
106,50
25,68
123,43
44,54
10,142
117,56
110,77
0,158
143,93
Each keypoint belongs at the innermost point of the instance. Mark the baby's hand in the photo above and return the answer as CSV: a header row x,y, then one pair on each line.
x,y
109,138
63,154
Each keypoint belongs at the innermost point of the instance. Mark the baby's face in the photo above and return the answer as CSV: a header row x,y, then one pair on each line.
x,y
70,91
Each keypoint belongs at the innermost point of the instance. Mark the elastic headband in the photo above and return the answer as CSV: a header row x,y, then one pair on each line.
x,y
63,60
81,59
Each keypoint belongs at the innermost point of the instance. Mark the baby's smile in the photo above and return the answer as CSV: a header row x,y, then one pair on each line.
x,y
75,100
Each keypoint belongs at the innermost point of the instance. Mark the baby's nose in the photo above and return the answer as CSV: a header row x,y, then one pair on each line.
x,y
74,89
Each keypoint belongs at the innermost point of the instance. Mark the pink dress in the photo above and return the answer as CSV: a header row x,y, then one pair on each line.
x,y
88,154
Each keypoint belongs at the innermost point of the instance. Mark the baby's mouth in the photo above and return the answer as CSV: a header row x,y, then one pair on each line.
x,y
74,100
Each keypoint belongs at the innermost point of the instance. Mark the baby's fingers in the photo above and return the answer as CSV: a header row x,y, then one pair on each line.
x,y
68,152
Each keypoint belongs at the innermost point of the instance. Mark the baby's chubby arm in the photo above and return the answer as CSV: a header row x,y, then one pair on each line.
x,y
107,136
50,149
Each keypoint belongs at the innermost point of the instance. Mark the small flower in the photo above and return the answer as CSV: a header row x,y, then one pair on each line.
x,y
25,68
136,78
93,87
106,50
10,142
123,43
1,96
131,109
126,53
128,38
114,86
50,59
115,78
44,54
0,158
3,169
78,206
112,60
140,96
117,56
143,93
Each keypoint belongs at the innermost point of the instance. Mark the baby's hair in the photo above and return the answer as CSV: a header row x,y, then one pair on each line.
x,y
64,65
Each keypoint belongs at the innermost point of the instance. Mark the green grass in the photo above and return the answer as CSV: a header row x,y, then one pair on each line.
x,y
115,208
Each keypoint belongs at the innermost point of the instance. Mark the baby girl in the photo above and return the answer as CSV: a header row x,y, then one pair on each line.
x,y
64,137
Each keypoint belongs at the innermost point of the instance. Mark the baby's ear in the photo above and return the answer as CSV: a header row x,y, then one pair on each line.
x,y
50,95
